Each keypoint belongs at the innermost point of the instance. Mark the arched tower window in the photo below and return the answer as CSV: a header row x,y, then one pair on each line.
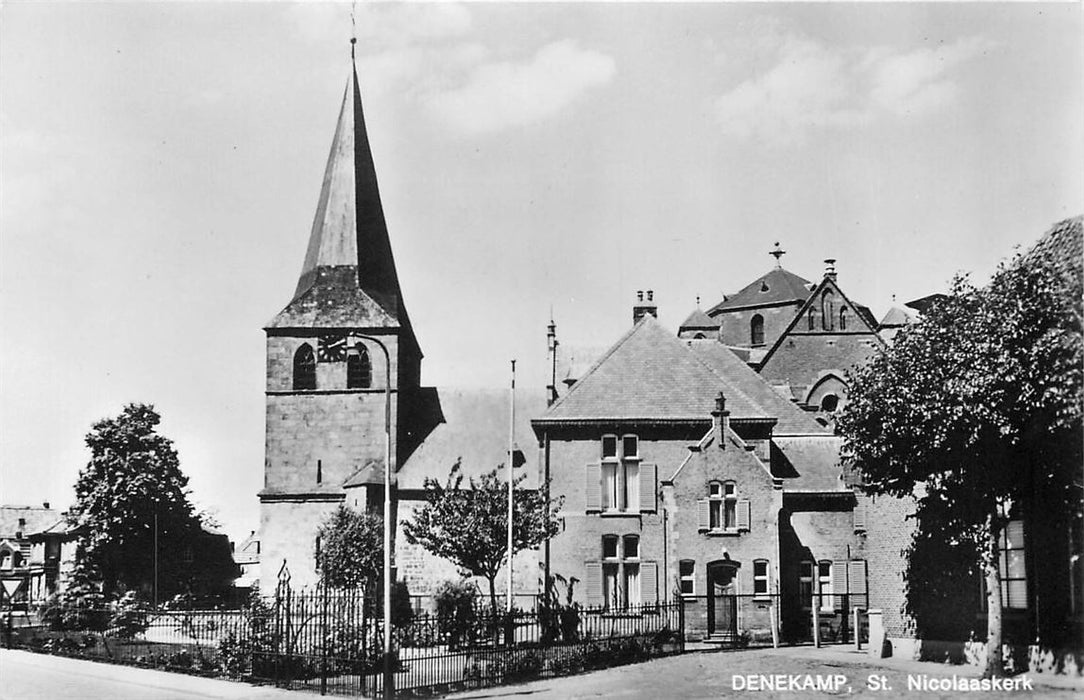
x,y
756,330
826,310
359,369
812,316
843,318
304,368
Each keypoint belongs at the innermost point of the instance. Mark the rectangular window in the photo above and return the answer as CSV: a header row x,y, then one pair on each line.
x,y
632,584
805,584
760,577
610,589
730,520
715,514
609,447
610,496
824,579
1011,566
630,447
631,491
686,576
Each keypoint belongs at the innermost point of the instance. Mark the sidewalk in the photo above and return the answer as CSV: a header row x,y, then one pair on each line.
x,y
29,676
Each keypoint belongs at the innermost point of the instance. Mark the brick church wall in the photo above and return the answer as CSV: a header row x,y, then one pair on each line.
x,y
734,326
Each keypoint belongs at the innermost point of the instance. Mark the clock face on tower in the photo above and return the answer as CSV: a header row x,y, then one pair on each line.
x,y
332,348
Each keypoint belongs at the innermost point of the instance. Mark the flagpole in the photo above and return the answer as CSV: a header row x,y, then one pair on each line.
x,y
511,479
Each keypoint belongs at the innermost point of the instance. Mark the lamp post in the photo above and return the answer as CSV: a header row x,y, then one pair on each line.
x,y
389,682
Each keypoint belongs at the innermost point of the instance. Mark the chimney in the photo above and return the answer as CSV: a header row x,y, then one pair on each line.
x,y
644,306
830,268
720,420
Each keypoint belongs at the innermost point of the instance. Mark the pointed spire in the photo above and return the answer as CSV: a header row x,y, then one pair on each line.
x,y
349,229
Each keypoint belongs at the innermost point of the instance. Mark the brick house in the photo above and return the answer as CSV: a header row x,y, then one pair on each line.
x,y
686,474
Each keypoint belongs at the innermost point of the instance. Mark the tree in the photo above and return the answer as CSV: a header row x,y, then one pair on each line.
x,y
974,411
469,526
351,551
131,493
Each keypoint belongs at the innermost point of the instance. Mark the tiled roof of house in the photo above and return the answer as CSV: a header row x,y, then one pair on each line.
x,y
1062,246
896,317
35,520
650,374
808,464
698,320
777,287
371,473
474,430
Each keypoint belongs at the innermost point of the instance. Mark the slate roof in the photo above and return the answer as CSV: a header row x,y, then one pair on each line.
x,y
371,473
698,320
651,375
475,430
741,380
348,278
1062,246
777,287
37,519
896,318
808,464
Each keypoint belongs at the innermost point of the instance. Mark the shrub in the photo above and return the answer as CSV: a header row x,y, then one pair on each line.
x,y
456,604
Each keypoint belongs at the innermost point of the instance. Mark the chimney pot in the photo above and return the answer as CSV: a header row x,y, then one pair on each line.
x,y
830,267
650,295
45,505
720,420
639,295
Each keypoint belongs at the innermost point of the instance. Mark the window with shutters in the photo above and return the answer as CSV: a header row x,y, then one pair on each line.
x,y
620,475
760,577
805,584
860,513
687,576
1014,581
620,571
722,511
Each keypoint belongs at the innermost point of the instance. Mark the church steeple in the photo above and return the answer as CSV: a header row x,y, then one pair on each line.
x,y
349,276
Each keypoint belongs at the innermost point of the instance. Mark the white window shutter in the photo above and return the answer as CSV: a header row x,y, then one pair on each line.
x,y
593,487
649,583
703,519
594,584
742,515
647,488
839,581
860,514
856,575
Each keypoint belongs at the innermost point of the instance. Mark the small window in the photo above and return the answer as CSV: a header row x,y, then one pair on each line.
x,y
632,547
319,471
760,577
318,543
630,447
304,369
609,547
722,505
715,489
829,403
699,336
609,447
843,318
359,368
17,559
756,330
687,577
811,317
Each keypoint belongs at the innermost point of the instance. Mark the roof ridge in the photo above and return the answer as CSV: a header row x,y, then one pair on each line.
x,y
613,348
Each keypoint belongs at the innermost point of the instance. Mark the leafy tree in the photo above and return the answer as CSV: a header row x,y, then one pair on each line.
x,y
351,550
974,411
131,490
469,526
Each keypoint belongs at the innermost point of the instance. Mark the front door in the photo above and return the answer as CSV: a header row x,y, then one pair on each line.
x,y
722,600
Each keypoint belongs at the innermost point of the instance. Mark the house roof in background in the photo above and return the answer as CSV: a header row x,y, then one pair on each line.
x,y
474,430
808,464
779,286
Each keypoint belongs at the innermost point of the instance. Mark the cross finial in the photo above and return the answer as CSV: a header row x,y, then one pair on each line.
x,y
777,253
353,29
698,301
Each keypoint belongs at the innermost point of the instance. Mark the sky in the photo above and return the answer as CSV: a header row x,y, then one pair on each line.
x,y
160,166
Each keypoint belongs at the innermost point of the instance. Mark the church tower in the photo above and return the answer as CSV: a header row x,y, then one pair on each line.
x,y
325,432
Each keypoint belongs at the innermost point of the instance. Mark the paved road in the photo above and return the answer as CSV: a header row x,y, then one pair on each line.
x,y
712,675
28,676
